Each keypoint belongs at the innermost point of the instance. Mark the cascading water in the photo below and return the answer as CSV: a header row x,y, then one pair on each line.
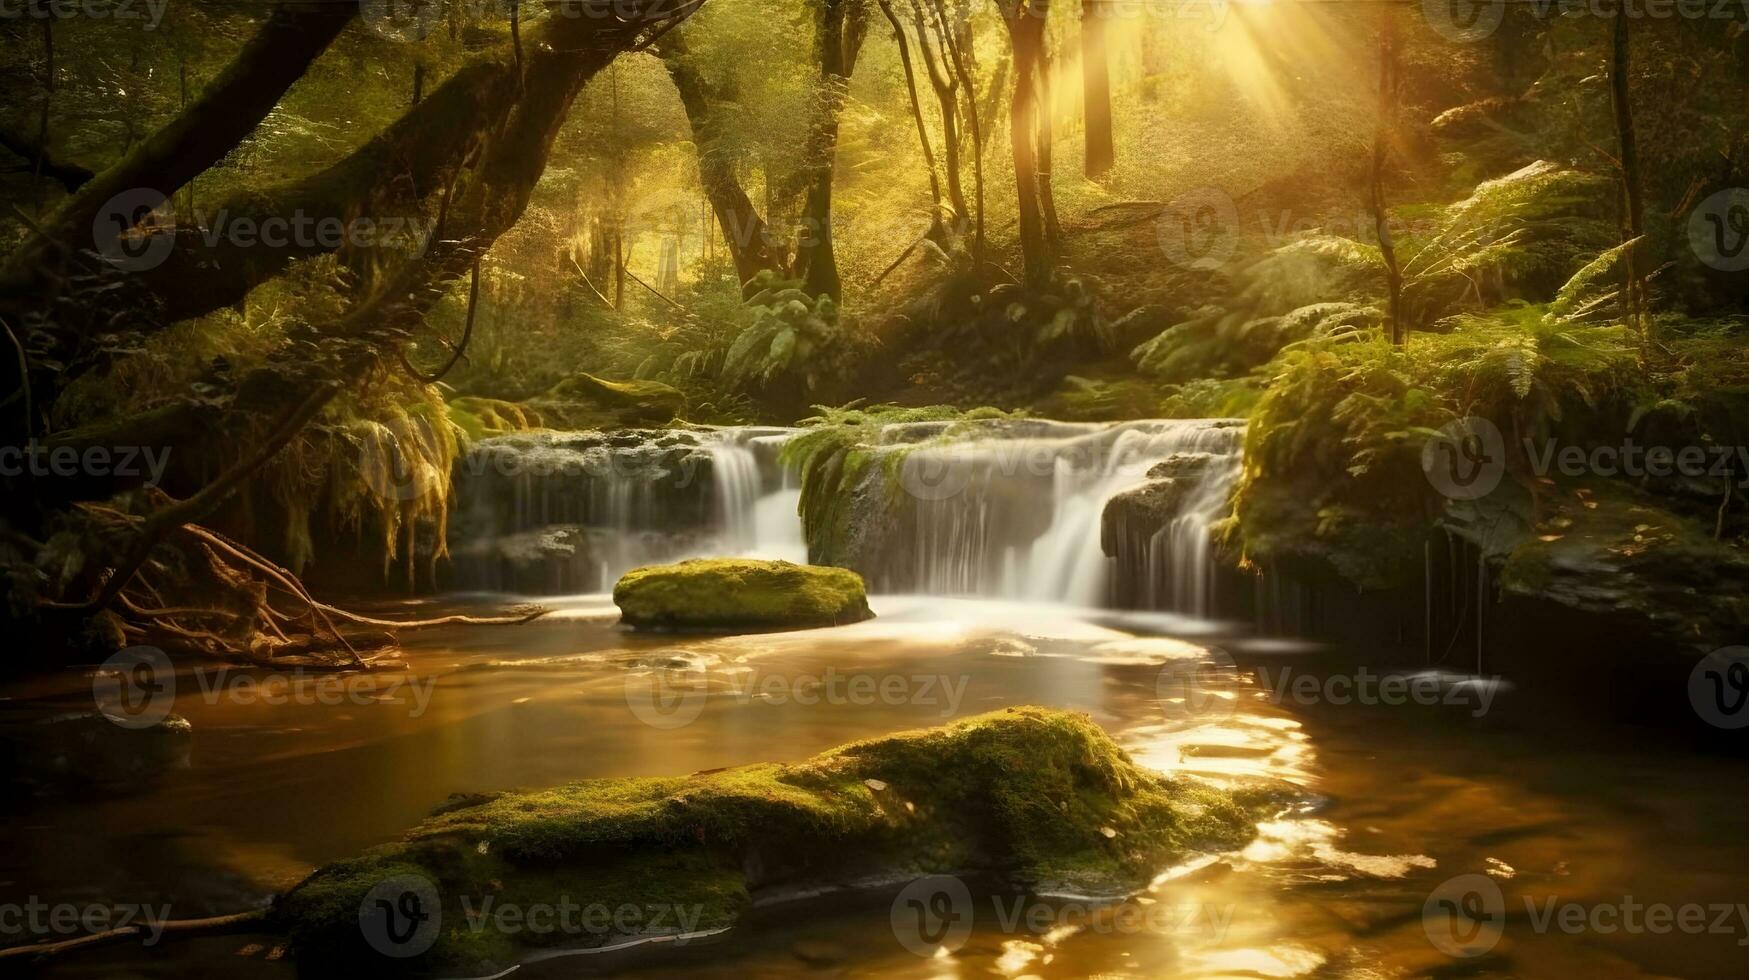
x,y
1083,514
1079,514
554,513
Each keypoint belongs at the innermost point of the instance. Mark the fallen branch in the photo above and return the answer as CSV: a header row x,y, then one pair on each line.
x,y
176,929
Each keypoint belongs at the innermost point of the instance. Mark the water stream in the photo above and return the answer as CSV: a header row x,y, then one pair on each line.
x,y
1395,799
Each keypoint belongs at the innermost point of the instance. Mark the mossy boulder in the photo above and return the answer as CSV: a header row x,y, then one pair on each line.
x,y
584,400
1034,797
740,593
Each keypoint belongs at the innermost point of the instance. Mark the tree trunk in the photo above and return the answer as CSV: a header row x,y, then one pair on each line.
x,y
958,45
837,41
1096,89
935,229
1025,33
226,112
932,40
1633,200
749,239
1046,135
1382,132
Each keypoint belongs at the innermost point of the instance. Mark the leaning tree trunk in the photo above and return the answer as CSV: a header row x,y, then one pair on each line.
x,y
946,83
1096,89
749,238
232,602
200,135
935,231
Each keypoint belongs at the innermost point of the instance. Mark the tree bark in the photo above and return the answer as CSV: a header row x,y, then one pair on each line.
x,y
1380,146
68,174
946,84
1025,33
837,42
224,114
923,141
748,237
1633,200
1096,89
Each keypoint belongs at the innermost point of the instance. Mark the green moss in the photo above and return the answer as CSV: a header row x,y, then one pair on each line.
x,y
732,593
1040,797
630,402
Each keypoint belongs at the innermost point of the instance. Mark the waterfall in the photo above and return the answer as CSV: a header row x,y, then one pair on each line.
x,y
1027,512
570,512
1083,514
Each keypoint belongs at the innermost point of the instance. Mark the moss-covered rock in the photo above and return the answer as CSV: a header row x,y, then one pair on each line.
x,y
740,593
1037,797
584,400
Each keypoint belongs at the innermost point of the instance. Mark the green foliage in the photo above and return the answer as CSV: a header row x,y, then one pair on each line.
x,y
836,448
794,339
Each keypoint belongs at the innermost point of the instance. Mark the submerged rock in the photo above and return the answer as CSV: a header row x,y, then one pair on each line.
x,y
87,753
740,593
1040,798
